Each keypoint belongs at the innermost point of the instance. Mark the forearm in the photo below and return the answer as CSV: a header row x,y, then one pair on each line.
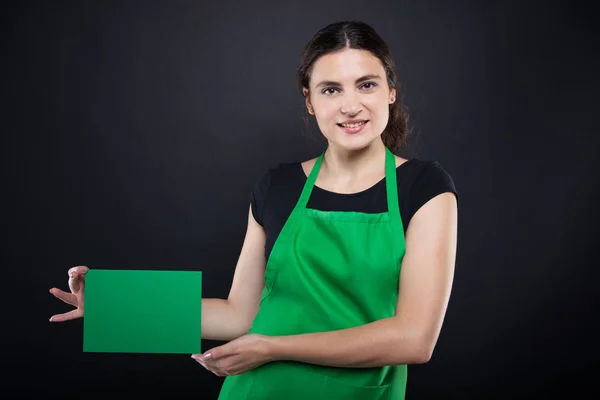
x,y
376,344
221,322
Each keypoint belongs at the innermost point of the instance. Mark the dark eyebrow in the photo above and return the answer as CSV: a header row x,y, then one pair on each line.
x,y
359,80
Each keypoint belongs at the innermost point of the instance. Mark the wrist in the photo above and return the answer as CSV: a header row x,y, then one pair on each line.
x,y
272,348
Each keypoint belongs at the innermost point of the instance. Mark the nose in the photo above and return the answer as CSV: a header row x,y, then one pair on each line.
x,y
351,104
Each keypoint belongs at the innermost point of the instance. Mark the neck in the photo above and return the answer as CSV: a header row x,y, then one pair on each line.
x,y
349,165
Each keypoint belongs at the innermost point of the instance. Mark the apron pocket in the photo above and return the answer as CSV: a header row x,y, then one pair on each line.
x,y
336,389
297,381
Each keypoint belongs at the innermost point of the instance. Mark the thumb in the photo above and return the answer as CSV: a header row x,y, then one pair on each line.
x,y
76,277
76,283
78,270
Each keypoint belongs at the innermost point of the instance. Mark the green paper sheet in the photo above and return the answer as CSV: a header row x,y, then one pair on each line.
x,y
140,311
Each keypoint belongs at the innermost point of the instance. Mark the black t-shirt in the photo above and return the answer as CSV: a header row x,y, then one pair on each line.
x,y
276,193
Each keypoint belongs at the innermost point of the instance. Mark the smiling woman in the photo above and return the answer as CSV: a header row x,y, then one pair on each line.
x,y
347,66
359,243
347,265
360,89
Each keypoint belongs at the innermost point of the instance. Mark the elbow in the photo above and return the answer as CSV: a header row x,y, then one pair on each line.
x,y
424,350
423,356
414,345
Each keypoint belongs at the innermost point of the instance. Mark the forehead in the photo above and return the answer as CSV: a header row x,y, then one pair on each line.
x,y
346,65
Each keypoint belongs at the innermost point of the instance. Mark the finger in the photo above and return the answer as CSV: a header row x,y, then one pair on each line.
x,y
76,284
68,298
78,270
76,276
218,365
67,316
217,353
198,359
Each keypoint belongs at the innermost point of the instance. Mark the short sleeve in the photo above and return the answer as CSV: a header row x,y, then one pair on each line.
x,y
258,196
432,180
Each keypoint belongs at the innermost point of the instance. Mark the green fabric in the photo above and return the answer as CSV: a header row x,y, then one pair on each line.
x,y
135,311
328,270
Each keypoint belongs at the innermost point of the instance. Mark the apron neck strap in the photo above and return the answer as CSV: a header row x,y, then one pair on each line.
x,y
391,186
390,183
310,183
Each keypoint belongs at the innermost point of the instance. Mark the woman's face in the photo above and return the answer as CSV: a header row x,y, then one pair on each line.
x,y
350,97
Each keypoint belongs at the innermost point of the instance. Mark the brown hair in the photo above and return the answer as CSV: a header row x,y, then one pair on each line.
x,y
361,36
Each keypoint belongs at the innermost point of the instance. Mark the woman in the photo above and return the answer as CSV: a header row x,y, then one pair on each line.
x,y
347,266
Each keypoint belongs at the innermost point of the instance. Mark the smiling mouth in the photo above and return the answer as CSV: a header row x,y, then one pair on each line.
x,y
354,125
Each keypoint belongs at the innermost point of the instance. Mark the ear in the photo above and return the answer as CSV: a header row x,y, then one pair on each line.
x,y
393,96
305,93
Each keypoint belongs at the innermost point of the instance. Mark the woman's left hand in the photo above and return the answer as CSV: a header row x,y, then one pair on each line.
x,y
238,356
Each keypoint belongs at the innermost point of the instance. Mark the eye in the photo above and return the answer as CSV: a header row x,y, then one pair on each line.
x,y
327,91
369,85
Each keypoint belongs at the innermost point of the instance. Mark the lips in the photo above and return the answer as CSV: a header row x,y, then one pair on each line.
x,y
353,123
353,127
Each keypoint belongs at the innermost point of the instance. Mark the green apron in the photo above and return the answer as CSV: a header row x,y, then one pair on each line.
x,y
328,270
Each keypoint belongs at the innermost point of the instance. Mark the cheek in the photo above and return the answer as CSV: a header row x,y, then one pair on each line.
x,y
379,108
376,103
325,110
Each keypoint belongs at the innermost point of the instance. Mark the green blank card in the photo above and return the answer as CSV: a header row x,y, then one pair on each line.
x,y
133,311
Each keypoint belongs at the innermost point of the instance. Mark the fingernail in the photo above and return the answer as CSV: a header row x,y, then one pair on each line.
x,y
207,356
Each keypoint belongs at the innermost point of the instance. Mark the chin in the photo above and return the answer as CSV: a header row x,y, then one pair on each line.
x,y
354,143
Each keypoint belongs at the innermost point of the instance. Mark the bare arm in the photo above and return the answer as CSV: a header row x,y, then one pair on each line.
x,y
221,319
411,334
227,319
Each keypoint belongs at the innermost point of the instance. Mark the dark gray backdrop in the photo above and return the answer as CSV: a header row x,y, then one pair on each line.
x,y
134,132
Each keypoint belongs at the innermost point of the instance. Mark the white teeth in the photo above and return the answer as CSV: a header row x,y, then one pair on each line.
x,y
353,125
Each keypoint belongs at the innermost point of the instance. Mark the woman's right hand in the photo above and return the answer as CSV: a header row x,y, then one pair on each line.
x,y
75,298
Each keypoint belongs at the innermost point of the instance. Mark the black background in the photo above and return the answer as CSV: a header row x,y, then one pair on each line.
x,y
134,131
